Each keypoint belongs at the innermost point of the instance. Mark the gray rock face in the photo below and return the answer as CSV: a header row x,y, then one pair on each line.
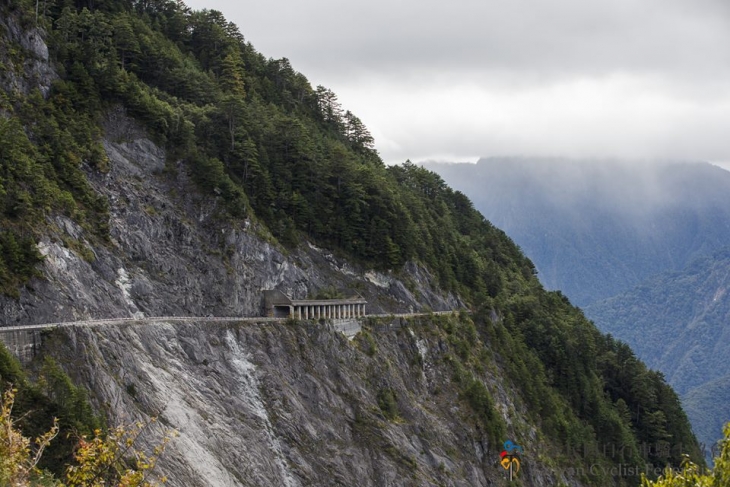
x,y
275,404
36,70
171,253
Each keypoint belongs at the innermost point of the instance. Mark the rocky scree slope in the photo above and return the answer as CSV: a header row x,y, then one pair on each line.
x,y
33,69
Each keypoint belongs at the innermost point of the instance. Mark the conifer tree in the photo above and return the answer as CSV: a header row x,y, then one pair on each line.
x,y
329,107
357,132
231,83
124,39
231,78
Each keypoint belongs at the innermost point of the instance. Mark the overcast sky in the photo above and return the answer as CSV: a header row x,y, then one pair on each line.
x,y
456,80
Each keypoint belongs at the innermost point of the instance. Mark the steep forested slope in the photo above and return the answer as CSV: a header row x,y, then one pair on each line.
x,y
265,182
708,409
678,323
597,228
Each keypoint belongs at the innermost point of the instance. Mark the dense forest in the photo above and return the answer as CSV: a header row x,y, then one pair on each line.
x,y
271,149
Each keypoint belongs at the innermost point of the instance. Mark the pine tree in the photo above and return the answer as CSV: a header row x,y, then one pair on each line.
x,y
124,39
232,74
357,132
329,107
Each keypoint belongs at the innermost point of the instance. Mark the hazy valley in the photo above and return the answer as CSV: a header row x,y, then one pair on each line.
x,y
654,234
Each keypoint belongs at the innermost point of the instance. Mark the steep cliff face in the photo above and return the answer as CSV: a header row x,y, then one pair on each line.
x,y
274,404
171,253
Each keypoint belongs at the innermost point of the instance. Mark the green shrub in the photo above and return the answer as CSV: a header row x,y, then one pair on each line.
x,y
388,404
480,401
366,342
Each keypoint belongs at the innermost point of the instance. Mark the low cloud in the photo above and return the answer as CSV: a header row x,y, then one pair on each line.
x,y
479,77
619,116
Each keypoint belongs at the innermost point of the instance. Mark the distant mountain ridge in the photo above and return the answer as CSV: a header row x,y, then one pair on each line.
x,y
597,228
683,313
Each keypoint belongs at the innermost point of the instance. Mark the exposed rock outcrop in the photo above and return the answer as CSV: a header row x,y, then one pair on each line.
x,y
33,69
272,404
171,253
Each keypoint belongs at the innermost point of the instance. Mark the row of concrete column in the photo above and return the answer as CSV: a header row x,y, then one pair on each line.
x,y
329,311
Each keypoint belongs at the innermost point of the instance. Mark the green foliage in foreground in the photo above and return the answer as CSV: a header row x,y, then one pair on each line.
x,y
37,403
692,475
